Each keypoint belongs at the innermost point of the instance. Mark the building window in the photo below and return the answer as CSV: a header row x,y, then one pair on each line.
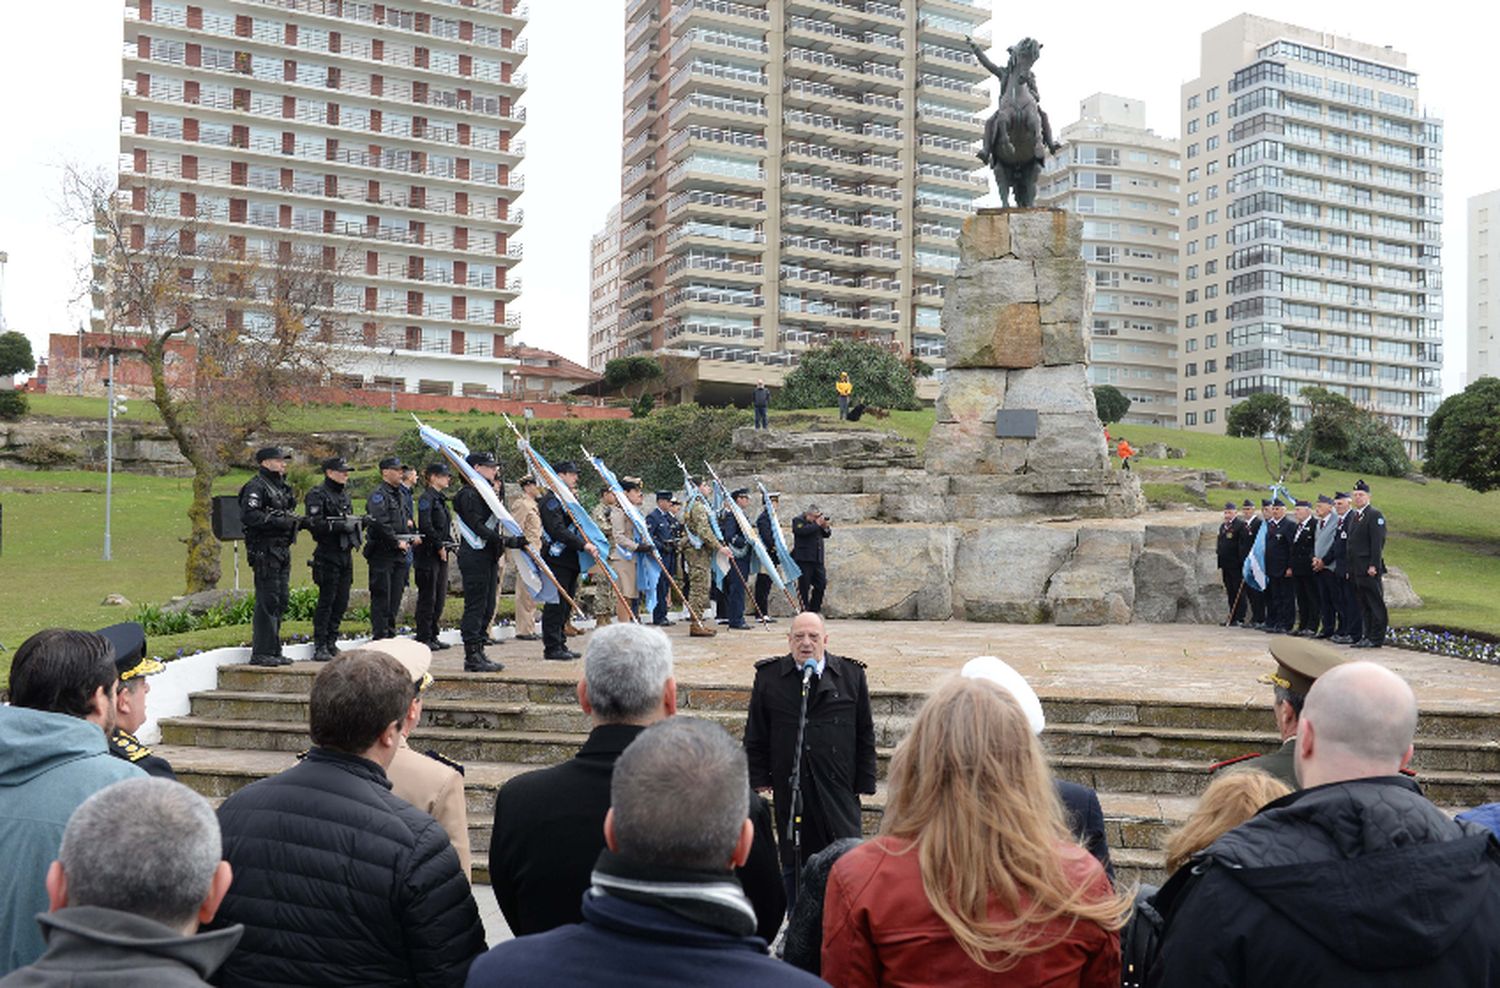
x,y
1210,391
1192,344
1192,222
1210,317
1213,93
1192,126
1211,241
1192,198
1213,118
1210,341
1208,416
1192,174
1190,321
1192,247
1191,394
1192,103
1191,370
1192,150
1213,192
1210,366
1212,144
1211,291
1191,296
1190,418
1210,267
1192,271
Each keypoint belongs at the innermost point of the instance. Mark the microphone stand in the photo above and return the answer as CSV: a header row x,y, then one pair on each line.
x,y
794,823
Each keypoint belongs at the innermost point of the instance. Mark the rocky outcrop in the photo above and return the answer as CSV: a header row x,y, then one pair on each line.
x,y
893,572
1398,591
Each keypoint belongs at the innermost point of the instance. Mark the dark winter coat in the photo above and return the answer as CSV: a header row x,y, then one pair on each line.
x,y
1234,538
338,881
1366,541
1304,536
549,830
1362,883
807,540
92,947
838,761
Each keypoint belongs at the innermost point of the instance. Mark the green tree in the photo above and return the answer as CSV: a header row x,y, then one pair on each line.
x,y
1264,416
15,354
1463,437
1111,403
880,377
632,375
1342,436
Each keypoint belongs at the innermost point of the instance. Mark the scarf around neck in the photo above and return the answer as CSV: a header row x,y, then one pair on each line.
x,y
708,898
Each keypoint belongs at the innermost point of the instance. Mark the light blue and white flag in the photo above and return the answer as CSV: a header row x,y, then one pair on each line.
x,y
789,567
549,479
717,565
647,561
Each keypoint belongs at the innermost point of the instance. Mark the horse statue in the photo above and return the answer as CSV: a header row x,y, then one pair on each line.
x,y
1018,136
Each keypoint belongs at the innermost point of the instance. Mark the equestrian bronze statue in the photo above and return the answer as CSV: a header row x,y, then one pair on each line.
x,y
1018,136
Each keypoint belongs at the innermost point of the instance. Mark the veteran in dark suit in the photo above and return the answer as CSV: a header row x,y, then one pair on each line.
x,y
1234,537
1366,549
549,824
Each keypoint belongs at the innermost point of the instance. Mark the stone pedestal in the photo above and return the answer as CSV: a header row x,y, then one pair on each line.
x,y
1016,323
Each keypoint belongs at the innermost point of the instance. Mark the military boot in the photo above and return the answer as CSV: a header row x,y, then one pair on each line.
x,y
322,653
474,660
701,630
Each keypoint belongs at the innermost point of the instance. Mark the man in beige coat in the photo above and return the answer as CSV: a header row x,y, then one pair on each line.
x,y
529,517
622,535
429,781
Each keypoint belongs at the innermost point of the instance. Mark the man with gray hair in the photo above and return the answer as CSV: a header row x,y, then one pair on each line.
x,y
138,870
1355,880
661,899
548,824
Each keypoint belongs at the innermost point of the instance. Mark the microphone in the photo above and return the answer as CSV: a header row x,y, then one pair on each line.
x,y
807,672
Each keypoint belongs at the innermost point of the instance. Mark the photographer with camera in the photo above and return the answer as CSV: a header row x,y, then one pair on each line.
x,y
435,524
334,527
809,529
267,512
391,528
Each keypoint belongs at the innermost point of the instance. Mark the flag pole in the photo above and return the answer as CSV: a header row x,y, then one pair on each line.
x,y
734,564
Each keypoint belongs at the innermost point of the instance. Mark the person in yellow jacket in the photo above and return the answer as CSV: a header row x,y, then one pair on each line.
x,y
845,389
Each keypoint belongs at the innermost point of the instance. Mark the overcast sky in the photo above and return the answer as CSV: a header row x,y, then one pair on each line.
x,y
61,102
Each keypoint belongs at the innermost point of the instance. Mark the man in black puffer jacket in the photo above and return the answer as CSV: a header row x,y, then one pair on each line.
x,y
1356,880
338,881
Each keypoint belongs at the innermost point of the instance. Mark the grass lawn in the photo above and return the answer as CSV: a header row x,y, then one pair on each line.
x,y
51,566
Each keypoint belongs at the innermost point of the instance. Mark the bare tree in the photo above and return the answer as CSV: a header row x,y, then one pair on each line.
x,y
256,323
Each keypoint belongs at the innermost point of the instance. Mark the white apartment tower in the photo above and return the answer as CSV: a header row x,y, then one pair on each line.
x,y
794,171
1125,182
1312,219
1484,286
604,293
378,131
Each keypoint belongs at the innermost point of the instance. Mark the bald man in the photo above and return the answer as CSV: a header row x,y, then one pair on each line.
x,y
1354,880
838,760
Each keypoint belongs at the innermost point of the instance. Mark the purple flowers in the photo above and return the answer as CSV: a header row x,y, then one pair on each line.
x,y
1441,641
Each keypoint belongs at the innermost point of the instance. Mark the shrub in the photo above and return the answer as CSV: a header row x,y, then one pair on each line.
x,y
1111,403
13,405
1463,437
880,378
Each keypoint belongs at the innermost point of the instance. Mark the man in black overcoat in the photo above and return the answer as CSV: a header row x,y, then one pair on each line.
x,y
1366,549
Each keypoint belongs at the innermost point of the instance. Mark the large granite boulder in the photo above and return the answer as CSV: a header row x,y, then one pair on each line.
x,y
1097,583
891,572
1176,579
1398,590
1002,572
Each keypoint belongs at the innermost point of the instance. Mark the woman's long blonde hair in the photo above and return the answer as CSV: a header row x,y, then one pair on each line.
x,y
970,788
1229,801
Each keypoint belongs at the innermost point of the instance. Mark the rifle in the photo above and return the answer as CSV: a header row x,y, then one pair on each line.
x,y
550,480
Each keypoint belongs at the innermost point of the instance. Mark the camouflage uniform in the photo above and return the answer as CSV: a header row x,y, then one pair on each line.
x,y
603,603
699,560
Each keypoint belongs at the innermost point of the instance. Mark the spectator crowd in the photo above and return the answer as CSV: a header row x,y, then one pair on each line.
x,y
653,856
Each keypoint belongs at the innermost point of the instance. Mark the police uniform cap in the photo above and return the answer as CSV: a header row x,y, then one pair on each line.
x,y
1247,503
1360,485
482,458
773,495
627,481
1265,502
740,492
527,481
664,495
629,485
437,469
1299,662
414,657
335,463
391,463
1341,495
1304,504
567,466
1324,499
676,499
270,453
128,641
1228,505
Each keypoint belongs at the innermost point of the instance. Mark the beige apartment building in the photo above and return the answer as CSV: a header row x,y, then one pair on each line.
x,y
382,133
793,171
1312,222
604,293
1124,180
1484,282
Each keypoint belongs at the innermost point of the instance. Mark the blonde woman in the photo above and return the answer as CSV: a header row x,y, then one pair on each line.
x,y
1229,800
975,879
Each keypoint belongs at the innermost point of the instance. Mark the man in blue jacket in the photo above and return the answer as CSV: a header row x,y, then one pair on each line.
x,y
663,899
54,754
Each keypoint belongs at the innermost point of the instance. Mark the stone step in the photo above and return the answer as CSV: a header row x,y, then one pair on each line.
x,y
1452,723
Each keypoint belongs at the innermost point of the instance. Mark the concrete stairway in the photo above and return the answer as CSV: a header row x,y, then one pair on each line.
x,y
1147,760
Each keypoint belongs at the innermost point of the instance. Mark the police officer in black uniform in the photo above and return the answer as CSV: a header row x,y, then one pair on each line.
x,y
133,665
739,558
391,527
665,530
435,523
562,543
1233,534
268,514
480,564
335,529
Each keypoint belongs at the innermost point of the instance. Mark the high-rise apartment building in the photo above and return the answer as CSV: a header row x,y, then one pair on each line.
x,y
382,133
1125,182
1484,286
604,293
1312,218
794,170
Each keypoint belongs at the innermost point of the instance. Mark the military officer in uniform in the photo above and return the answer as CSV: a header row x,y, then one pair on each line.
x,y
330,518
1299,662
602,597
765,528
1366,547
1350,625
1326,530
665,530
529,517
838,757
702,545
391,528
1282,609
267,512
481,541
562,542
428,780
1233,534
133,665
739,561
1304,540
435,524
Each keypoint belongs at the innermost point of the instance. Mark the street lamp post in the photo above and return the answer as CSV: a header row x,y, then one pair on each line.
x,y
109,454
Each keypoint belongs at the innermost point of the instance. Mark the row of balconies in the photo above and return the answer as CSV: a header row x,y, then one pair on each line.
x,y
832,31
802,180
842,156
714,200
517,13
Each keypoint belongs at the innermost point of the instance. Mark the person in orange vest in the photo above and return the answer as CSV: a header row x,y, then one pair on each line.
x,y
845,388
1125,452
